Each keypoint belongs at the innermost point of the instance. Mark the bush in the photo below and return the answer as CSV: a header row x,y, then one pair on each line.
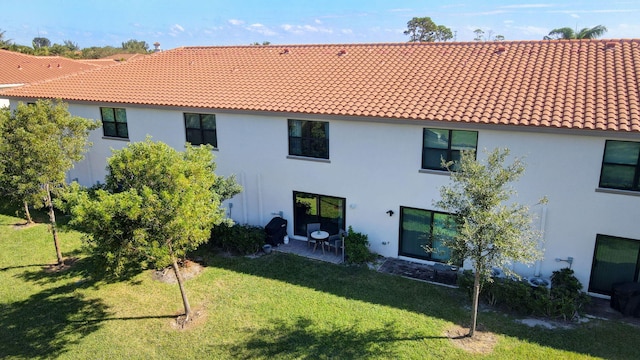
x,y
357,248
564,300
241,239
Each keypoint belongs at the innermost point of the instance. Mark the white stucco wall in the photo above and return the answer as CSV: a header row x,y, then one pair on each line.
x,y
375,166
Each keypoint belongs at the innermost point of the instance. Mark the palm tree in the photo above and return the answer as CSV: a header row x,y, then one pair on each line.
x,y
567,33
4,43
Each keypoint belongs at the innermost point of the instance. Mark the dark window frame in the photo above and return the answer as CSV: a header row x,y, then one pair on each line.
x,y
201,130
119,131
451,154
299,223
305,144
635,183
425,255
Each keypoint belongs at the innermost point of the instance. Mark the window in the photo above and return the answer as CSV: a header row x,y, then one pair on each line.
x,y
114,122
419,228
621,165
329,211
615,260
309,138
201,129
438,144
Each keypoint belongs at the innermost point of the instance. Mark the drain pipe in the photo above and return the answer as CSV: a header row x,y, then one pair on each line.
x,y
543,220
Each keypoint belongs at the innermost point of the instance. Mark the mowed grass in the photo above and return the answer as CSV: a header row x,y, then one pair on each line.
x,y
278,307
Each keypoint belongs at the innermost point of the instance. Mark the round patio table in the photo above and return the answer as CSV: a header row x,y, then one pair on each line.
x,y
320,237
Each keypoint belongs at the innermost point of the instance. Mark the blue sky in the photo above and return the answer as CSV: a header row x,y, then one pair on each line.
x,y
241,22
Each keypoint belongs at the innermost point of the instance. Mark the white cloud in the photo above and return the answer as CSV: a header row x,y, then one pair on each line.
x,y
317,21
347,31
301,29
236,22
177,28
575,16
526,6
261,29
532,30
507,22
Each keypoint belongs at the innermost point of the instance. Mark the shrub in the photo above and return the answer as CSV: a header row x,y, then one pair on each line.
x,y
564,300
357,248
567,298
241,239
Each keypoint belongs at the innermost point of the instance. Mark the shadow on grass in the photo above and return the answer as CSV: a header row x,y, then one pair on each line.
x,y
596,338
48,322
303,340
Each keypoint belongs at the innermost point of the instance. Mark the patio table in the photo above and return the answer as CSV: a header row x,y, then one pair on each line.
x,y
320,237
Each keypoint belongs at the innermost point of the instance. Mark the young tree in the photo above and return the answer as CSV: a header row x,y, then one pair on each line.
x,y
489,232
40,143
157,204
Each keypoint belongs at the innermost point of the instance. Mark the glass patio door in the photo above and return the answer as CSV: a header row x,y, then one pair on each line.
x,y
615,260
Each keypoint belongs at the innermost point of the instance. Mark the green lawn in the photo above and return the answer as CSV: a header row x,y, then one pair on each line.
x,y
277,306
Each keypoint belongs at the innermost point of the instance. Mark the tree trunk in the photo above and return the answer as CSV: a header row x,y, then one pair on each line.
x,y
185,301
474,306
27,213
52,220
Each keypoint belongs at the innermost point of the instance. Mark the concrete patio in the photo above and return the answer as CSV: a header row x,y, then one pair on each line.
x,y
300,247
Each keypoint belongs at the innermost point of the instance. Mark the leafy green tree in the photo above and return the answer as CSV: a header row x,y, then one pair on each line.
x,y
490,233
425,30
135,46
40,42
40,143
157,204
567,33
97,52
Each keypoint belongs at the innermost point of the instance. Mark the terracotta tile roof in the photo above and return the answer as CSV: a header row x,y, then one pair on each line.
x,y
17,68
592,84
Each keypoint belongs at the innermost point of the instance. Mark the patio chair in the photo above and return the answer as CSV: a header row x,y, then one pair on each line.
x,y
311,228
337,241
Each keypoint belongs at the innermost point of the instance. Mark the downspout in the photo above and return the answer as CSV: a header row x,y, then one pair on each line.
x,y
244,198
260,212
543,221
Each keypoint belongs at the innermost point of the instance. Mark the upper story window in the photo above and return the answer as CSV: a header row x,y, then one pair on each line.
x,y
621,165
114,122
309,138
201,129
438,144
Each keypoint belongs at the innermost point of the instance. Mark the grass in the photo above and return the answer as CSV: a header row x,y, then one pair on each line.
x,y
277,306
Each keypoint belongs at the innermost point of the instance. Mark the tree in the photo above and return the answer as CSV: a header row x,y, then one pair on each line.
x,y
40,143
40,42
489,232
135,46
4,43
425,30
479,35
567,33
157,204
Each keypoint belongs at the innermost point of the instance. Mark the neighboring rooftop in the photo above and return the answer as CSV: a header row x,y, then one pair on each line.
x,y
20,68
581,84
